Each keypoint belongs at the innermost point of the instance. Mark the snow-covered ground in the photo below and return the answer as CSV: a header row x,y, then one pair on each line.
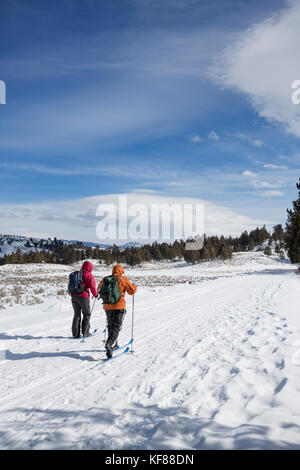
x,y
216,362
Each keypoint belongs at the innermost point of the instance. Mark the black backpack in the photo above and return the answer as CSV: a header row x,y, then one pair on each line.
x,y
76,285
110,292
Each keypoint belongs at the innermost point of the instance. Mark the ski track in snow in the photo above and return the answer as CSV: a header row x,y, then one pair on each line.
x,y
212,369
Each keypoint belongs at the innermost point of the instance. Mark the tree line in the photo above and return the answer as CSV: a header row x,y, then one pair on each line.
x,y
214,247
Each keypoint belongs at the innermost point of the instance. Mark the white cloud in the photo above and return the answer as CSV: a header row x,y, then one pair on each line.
x,y
77,219
275,167
263,63
178,183
271,193
257,183
249,174
197,139
263,184
213,135
145,191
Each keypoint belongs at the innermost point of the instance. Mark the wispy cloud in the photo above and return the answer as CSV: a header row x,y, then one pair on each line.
x,y
263,184
271,193
179,183
271,166
253,142
155,85
136,171
263,63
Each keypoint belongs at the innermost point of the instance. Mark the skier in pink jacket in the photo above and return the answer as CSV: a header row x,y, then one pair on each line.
x,y
81,302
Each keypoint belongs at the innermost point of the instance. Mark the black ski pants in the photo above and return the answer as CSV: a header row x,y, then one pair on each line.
x,y
81,305
114,324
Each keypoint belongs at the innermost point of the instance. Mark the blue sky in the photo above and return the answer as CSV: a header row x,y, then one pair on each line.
x,y
165,97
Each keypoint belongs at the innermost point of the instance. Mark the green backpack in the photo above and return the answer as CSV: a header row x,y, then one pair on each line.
x,y
110,292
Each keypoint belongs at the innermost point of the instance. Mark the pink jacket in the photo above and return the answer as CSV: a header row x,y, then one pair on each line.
x,y
88,280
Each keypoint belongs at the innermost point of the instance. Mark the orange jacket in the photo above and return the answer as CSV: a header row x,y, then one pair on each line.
x,y
124,286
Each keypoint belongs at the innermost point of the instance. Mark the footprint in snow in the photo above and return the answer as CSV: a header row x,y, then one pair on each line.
x,y
280,386
280,365
235,371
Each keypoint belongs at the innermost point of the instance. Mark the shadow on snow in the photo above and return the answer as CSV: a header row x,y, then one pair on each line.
x,y
136,427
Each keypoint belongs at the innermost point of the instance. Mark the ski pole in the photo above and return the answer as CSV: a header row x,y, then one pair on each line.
x,y
132,321
93,305
104,332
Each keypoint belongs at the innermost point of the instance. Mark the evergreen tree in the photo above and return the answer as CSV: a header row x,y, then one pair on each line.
x,y
190,256
156,252
147,255
19,256
293,229
205,254
244,240
267,251
135,259
108,257
173,253
225,251
13,258
251,245
238,248
281,254
278,233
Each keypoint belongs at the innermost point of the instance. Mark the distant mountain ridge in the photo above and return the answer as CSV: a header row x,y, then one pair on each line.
x,y
10,243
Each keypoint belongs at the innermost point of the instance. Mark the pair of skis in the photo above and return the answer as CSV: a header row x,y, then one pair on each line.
x,y
122,351
82,338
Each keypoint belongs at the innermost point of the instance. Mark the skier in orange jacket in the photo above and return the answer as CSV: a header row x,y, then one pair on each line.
x,y
115,312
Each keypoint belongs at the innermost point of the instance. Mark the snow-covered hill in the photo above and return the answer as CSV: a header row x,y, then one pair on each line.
x,y
216,362
11,243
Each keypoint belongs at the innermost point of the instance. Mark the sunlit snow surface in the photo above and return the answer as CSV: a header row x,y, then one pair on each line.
x,y
216,362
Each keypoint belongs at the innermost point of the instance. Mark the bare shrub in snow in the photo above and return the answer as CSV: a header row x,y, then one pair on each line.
x,y
61,292
33,301
41,290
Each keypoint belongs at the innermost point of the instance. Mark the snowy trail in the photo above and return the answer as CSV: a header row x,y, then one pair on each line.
x,y
212,368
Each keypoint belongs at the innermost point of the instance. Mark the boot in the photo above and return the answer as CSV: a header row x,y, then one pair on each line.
x,y
109,350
